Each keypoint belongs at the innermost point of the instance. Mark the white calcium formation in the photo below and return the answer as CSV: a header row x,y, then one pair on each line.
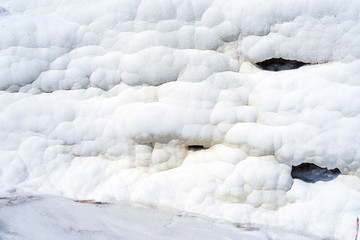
x,y
161,102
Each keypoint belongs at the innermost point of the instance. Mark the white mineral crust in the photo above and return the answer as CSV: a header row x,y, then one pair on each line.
x,y
105,100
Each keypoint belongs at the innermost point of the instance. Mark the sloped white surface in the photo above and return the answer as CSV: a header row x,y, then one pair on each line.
x,y
44,217
100,100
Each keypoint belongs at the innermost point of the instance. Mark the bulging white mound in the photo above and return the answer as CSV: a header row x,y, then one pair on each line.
x,y
161,102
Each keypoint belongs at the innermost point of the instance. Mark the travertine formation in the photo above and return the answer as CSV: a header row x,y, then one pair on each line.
x,y
161,102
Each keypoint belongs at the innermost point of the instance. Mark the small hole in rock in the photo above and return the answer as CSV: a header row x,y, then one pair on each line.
x,y
196,147
310,172
280,64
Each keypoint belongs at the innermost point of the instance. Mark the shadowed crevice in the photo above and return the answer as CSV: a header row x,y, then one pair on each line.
x,y
310,172
196,147
280,64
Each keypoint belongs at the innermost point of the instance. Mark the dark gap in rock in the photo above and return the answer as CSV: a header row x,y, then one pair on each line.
x,y
196,147
310,172
280,64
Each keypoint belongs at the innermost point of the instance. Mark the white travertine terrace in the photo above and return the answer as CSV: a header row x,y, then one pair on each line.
x,y
104,99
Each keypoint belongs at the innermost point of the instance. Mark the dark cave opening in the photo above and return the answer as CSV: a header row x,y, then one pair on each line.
x,y
196,147
280,64
309,172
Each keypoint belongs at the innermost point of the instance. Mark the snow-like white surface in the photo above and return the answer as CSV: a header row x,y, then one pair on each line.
x,y
44,217
101,99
